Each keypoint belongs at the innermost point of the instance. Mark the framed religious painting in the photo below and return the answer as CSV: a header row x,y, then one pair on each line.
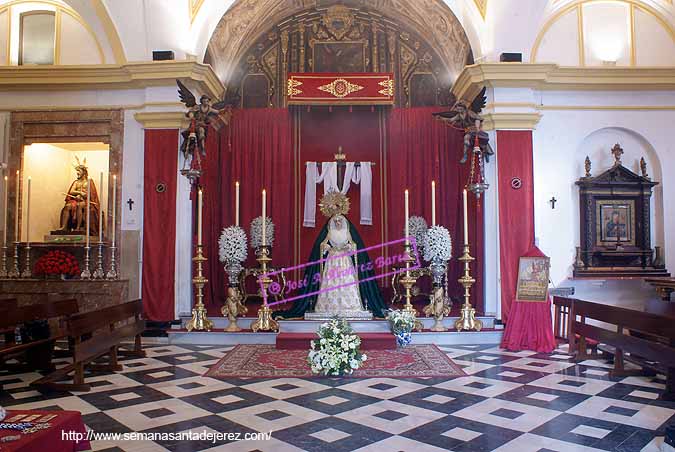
x,y
533,277
616,221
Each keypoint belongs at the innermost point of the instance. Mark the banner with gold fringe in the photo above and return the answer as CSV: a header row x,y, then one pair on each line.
x,y
340,89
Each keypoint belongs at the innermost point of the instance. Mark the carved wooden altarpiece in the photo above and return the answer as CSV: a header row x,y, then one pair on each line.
x,y
615,223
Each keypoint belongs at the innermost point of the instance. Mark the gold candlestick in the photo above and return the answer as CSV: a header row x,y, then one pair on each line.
x,y
467,320
408,281
199,320
265,321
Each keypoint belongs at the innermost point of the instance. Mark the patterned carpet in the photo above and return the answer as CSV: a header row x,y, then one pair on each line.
x,y
522,402
266,361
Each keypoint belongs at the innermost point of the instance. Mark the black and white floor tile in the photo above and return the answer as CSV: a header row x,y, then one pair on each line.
x,y
508,401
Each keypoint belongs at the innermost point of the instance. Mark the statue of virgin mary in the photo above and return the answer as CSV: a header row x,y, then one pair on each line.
x,y
343,286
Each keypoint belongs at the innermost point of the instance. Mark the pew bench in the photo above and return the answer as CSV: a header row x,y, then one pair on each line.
x,y
95,335
643,338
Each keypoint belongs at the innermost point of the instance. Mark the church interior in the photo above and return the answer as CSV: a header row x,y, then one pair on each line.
x,y
345,225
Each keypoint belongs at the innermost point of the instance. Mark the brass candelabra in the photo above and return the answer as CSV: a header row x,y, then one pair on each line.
x,y
14,272
199,320
408,281
265,321
27,273
467,320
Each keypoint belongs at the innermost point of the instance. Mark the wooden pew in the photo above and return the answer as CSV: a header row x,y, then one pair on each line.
x,y
38,352
648,338
563,312
95,335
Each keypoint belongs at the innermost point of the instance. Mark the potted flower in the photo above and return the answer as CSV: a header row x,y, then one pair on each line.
x,y
336,351
402,324
57,263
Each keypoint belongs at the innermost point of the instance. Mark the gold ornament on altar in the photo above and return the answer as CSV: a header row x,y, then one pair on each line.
x,y
334,203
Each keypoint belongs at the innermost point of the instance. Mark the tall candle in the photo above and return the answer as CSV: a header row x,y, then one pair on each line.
x,y
6,208
86,231
17,232
236,203
264,217
433,203
114,208
100,210
28,212
406,217
199,217
466,219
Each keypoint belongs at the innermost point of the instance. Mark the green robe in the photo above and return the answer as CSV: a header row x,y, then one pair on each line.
x,y
370,292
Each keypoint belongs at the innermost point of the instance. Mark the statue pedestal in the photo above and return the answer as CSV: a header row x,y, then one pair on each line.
x,y
347,315
55,237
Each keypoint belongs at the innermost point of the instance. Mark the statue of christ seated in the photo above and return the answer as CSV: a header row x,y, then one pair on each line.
x,y
336,279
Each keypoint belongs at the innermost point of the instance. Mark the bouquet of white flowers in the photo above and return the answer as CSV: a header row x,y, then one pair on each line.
x,y
417,227
336,352
437,244
232,245
256,232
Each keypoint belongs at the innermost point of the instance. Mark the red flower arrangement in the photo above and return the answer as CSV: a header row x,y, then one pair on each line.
x,y
57,262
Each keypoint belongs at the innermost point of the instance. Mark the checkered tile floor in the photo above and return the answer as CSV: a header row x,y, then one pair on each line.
x,y
522,402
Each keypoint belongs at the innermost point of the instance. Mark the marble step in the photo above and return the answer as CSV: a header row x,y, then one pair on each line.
x,y
369,341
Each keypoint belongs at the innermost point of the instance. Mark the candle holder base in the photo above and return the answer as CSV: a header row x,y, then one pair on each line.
x,y
200,320
99,273
265,321
3,264
112,272
26,273
86,273
467,320
14,272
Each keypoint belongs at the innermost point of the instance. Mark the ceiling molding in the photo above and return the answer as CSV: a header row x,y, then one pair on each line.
x,y
511,121
110,31
162,119
553,77
126,76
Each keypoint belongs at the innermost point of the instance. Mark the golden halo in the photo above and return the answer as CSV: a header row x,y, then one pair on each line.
x,y
334,203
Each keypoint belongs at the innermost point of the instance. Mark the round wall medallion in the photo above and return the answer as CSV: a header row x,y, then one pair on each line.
x,y
160,188
516,183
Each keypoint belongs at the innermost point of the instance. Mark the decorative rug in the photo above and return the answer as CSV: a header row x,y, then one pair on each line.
x,y
265,361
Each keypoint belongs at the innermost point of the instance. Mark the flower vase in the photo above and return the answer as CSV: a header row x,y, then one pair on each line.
x,y
438,268
403,338
233,269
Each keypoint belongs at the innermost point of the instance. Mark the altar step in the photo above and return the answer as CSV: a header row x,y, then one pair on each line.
x,y
369,341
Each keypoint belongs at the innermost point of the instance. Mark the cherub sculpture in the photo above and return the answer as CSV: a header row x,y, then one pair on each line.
x,y
437,308
200,116
466,116
232,308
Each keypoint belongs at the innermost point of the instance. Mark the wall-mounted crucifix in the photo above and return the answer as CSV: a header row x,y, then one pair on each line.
x,y
131,203
341,161
553,201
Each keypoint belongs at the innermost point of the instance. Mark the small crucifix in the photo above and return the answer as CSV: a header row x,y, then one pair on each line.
x,y
617,152
341,160
553,201
131,203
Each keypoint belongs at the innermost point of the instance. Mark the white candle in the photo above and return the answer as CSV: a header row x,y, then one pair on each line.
x,y
28,212
466,219
100,210
433,203
86,231
17,232
6,208
264,217
114,208
236,203
406,217
199,217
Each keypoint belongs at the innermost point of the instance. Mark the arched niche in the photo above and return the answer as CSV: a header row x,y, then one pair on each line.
x,y
422,43
597,147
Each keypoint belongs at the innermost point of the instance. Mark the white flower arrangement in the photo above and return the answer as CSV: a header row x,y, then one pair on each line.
x,y
336,352
256,232
437,244
401,321
232,245
417,227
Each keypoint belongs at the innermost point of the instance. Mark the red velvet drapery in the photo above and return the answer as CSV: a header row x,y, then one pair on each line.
x,y
257,150
159,224
516,207
422,149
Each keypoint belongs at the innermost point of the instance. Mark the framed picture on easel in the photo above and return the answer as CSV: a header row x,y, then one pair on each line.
x,y
533,277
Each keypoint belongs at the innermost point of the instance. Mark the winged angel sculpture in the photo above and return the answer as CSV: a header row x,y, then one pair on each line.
x,y
200,116
467,117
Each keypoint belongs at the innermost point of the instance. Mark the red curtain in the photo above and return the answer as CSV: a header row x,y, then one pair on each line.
x,y
516,207
159,224
256,150
422,149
